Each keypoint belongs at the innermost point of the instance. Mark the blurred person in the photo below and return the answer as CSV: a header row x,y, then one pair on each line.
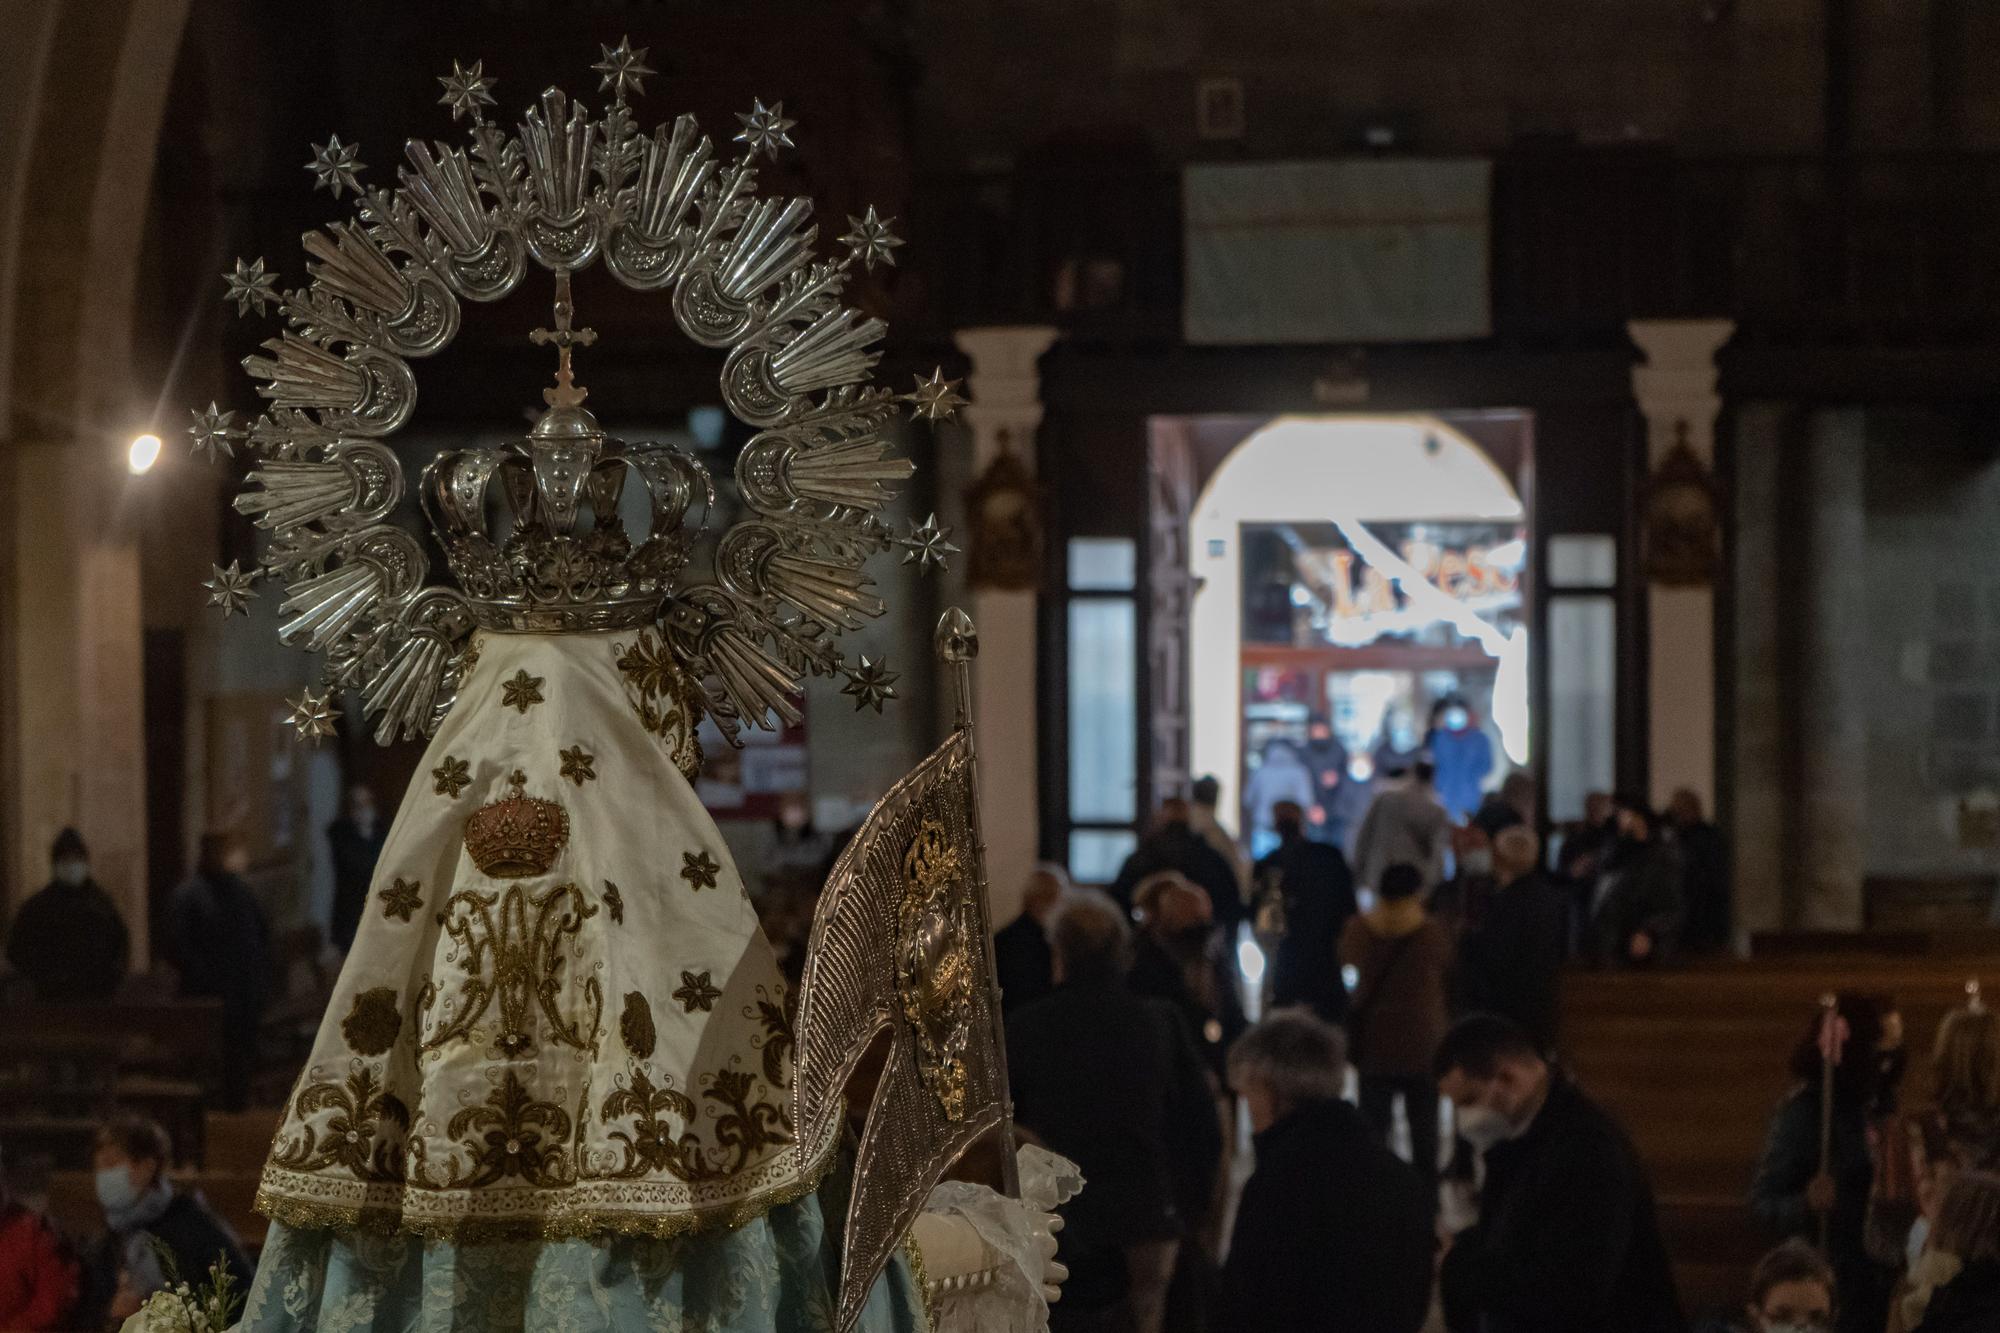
x,y
1792,1189
144,1215
1959,1129
1460,902
1637,910
355,840
1398,1015
1178,957
1958,1282
1349,803
1511,962
1511,803
1023,962
1328,760
1203,797
1791,1291
1281,775
1333,1232
1567,1239
1704,855
1175,846
220,941
1462,754
1314,893
69,940
795,856
1405,824
40,1280
1112,1081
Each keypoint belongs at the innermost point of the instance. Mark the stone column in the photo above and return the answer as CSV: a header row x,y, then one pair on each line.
x,y
1758,743
1005,388
1676,393
1833,695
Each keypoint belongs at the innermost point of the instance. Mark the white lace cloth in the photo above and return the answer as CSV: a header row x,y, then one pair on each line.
x,y
1001,1276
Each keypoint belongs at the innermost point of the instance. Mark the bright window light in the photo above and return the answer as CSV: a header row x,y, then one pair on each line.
x,y
142,454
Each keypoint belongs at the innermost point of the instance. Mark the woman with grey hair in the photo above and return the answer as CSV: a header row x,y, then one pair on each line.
x,y
1333,1232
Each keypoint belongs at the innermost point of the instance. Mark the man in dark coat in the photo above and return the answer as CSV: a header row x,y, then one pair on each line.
x,y
1174,844
1022,958
1111,1080
1704,854
1637,910
1567,1239
1333,1233
220,941
1510,963
1312,882
355,840
69,940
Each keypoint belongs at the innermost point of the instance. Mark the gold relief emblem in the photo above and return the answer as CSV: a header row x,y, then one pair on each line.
x,y
577,765
635,1026
934,963
513,1136
522,691
517,836
699,869
373,1023
667,700
451,777
697,993
402,899
525,938
361,1107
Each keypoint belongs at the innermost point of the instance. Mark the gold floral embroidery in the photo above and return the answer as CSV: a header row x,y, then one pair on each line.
x,y
576,765
776,1041
517,1136
699,869
527,965
522,692
451,777
373,1022
666,698
402,899
651,1144
360,1109
614,902
635,1026
697,993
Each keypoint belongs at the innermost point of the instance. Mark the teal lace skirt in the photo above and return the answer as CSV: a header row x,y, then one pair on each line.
x,y
776,1274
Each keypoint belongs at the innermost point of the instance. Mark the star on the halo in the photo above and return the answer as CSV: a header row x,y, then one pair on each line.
x,y
467,91
250,286
870,240
870,683
622,67
451,777
335,165
699,869
576,765
936,398
230,589
523,691
402,899
697,993
313,715
927,544
213,430
764,128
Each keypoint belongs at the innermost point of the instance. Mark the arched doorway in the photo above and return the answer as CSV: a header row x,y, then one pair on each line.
x,y
1359,573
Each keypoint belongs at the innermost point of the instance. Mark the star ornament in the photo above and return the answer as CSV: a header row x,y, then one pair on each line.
x,y
231,589
700,869
870,684
522,691
765,129
577,765
870,240
468,92
313,715
213,432
623,68
936,398
927,545
250,286
336,165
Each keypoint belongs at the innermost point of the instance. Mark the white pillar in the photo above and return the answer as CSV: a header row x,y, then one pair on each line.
x,y
1005,388
1676,393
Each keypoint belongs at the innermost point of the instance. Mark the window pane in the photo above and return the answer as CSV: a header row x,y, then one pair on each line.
x,y
1583,719
1103,564
1103,710
1582,560
1096,854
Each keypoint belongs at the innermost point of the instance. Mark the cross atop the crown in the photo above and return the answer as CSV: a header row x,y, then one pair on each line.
x,y
565,393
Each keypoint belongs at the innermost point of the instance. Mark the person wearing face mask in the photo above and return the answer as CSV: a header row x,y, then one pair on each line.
x,y
1463,754
1567,1239
1511,962
355,839
143,1215
1178,957
1791,1291
1310,880
69,940
220,942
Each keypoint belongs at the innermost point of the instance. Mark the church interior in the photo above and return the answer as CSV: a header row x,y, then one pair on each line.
x,y
1541,448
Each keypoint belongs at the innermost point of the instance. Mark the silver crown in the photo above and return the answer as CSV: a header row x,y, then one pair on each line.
x,y
666,214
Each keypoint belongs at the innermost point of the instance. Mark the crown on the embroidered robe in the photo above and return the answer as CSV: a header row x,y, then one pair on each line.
x,y
517,836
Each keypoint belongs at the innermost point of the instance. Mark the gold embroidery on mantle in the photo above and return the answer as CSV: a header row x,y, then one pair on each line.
x,y
522,692
934,964
697,993
518,836
402,899
667,699
373,1022
527,958
515,1137
614,902
699,869
451,777
635,1026
577,765
361,1107
746,1124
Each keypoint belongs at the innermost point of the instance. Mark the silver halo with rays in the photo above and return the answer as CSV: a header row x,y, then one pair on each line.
x,y
664,213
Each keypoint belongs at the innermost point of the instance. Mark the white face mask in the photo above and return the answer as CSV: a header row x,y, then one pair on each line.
x,y
1482,1126
1788,1327
73,873
1478,861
